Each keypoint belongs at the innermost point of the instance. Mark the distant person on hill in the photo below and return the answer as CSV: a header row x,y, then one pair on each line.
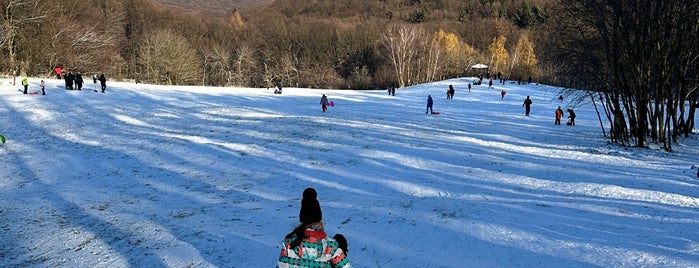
x,y
103,82
278,90
25,83
559,114
59,71
324,102
502,94
66,78
527,106
571,117
79,81
43,92
451,92
429,104
469,87
308,245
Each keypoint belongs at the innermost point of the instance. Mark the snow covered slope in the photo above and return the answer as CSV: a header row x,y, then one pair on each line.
x,y
156,176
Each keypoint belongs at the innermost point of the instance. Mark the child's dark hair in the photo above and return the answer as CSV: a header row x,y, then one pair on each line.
x,y
298,234
342,242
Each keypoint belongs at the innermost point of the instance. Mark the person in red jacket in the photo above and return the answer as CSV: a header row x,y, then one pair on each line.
x,y
559,114
59,71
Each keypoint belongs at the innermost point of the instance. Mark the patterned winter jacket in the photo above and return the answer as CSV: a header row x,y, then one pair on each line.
x,y
316,251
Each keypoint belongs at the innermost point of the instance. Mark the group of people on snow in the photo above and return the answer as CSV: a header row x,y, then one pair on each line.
x,y
526,104
72,81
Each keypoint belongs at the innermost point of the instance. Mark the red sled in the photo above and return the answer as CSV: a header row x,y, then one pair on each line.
x,y
435,113
331,104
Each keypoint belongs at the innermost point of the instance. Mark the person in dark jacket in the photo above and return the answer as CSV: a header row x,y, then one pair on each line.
x,y
571,117
429,104
69,81
103,82
79,81
324,103
527,106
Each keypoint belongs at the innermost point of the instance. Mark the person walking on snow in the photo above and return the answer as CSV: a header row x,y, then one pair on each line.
x,y
429,104
103,82
502,94
559,114
324,102
527,106
308,245
43,92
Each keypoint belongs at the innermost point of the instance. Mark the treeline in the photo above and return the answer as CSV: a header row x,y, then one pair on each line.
x,y
357,44
637,59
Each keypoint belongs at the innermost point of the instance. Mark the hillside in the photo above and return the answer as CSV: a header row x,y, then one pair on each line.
x,y
213,5
164,176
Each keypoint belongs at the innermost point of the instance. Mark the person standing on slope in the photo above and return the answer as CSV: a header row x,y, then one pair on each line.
x,y
429,104
571,117
324,102
103,82
527,106
559,114
25,83
308,245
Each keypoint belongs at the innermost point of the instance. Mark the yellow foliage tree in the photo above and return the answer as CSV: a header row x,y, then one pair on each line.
x,y
524,62
236,20
456,54
498,54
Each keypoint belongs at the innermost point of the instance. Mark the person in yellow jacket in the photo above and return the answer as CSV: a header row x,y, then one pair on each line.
x,y
25,83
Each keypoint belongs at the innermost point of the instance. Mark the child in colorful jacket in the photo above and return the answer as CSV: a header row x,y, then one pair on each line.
x,y
308,245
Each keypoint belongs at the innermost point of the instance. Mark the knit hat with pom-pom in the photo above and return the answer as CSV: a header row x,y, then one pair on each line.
x,y
310,208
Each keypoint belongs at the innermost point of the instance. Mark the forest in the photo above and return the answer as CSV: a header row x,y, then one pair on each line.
x,y
361,44
636,59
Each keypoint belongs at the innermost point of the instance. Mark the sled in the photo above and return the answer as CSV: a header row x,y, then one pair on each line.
x,y
34,92
435,113
331,104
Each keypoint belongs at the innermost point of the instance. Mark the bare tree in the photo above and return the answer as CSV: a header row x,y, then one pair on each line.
x,y
169,58
640,55
402,45
15,16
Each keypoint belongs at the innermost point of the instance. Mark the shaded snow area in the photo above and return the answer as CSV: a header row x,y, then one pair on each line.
x,y
157,176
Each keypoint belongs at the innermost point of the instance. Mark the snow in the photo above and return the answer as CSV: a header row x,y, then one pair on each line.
x,y
165,176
